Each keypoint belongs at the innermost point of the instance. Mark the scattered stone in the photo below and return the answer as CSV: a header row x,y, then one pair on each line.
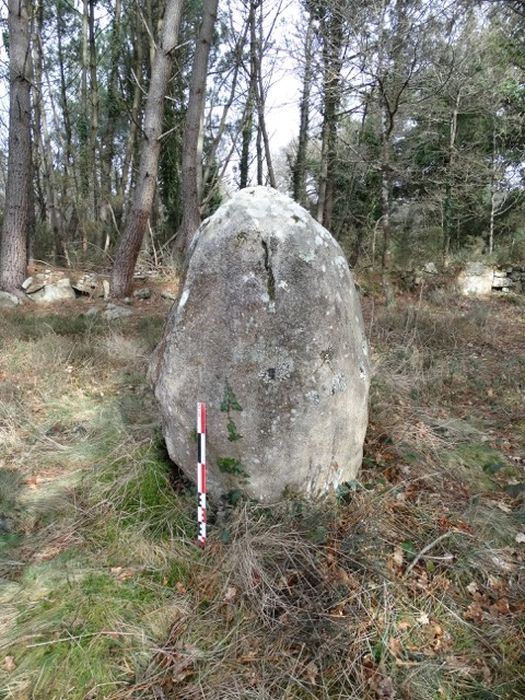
x,y
6,524
510,279
171,296
142,293
60,290
8,300
476,280
127,300
92,311
500,282
268,332
114,312
32,284
87,283
430,268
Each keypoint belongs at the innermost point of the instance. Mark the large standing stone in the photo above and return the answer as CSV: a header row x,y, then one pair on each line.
x,y
268,332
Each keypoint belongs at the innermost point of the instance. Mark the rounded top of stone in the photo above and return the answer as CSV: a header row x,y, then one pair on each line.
x,y
267,213
257,191
263,209
258,196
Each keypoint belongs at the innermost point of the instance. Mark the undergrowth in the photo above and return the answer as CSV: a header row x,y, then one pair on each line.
x,y
407,583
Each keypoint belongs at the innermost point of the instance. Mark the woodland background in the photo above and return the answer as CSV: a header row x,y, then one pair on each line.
x,y
410,135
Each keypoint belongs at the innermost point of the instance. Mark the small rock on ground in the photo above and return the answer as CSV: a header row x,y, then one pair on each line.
x,y
114,312
8,300
142,293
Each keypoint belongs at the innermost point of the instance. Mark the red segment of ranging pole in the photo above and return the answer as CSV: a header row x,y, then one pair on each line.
x,y
201,473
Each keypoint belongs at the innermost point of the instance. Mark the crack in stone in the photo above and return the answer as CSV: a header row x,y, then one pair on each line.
x,y
270,284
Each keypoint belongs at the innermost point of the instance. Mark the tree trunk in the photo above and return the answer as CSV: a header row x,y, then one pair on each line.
x,y
114,103
192,143
211,160
493,189
261,100
332,34
124,180
247,127
449,178
93,110
42,142
13,251
299,168
131,240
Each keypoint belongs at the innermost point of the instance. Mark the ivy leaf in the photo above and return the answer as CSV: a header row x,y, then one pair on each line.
x,y
233,433
409,549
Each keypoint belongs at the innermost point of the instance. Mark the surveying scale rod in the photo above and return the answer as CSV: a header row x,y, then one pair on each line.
x,y
201,474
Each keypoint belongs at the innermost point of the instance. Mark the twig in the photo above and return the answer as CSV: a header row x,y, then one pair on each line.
x,y
79,637
431,546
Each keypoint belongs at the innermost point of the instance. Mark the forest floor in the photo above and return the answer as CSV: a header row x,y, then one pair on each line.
x,y
409,584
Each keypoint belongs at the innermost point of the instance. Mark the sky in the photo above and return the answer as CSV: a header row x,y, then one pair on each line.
x,y
282,104
283,96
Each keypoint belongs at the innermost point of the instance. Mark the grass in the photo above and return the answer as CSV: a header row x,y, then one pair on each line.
x,y
88,561
408,584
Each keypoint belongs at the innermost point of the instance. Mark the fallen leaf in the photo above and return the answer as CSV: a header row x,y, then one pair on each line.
x,y
397,556
230,595
9,664
395,647
120,573
472,588
311,672
403,625
494,581
423,619
32,482
346,578
474,612
385,689
502,564
501,606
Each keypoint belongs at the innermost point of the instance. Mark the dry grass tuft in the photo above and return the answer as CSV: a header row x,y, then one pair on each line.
x,y
409,584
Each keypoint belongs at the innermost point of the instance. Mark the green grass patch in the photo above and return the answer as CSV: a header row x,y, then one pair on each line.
x,y
479,464
78,633
34,327
144,496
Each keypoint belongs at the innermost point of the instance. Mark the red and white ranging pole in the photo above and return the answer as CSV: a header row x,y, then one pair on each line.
x,y
201,473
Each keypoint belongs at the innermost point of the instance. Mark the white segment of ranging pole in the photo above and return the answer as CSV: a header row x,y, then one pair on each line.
x,y
201,473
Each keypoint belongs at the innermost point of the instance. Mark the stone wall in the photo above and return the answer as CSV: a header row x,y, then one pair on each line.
x,y
480,280
509,279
